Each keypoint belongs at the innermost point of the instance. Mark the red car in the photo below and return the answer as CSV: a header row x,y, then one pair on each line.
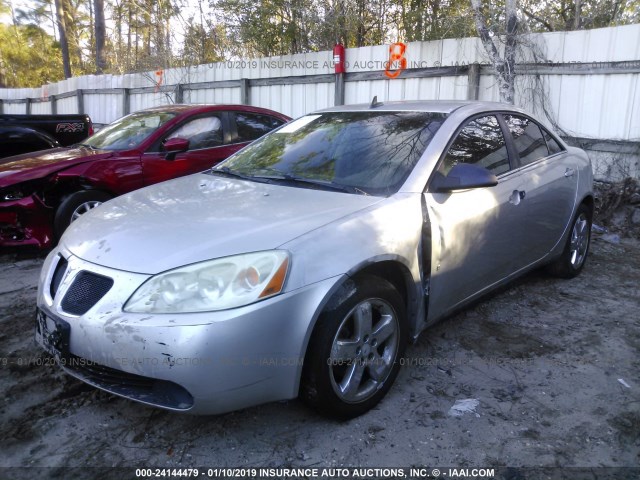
x,y
41,193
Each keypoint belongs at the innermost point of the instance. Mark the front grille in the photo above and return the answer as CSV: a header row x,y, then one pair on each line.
x,y
107,375
58,275
85,291
137,387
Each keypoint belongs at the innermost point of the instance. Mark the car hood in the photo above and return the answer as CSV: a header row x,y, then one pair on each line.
x,y
31,166
200,217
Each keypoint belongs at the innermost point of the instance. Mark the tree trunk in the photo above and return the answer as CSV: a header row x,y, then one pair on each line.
x,y
119,57
435,14
92,27
203,52
64,45
146,14
505,67
360,30
511,13
129,27
73,34
577,19
101,61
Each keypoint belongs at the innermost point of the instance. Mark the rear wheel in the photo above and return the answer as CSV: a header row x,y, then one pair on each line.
x,y
76,205
354,353
574,256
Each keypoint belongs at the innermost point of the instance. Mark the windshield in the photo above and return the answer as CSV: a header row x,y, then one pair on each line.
x,y
368,152
128,132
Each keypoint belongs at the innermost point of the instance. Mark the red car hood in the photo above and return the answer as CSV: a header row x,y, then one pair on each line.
x,y
30,166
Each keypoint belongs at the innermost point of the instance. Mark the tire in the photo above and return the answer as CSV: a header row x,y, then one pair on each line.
x,y
75,205
575,252
345,383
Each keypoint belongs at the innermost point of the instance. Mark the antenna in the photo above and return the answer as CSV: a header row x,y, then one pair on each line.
x,y
375,103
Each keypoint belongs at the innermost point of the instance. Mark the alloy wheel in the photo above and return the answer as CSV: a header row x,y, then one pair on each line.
x,y
84,208
364,350
579,241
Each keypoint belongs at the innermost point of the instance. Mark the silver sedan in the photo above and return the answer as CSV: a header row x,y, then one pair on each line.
x,y
303,264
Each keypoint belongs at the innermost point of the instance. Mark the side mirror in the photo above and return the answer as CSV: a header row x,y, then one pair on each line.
x,y
464,176
175,146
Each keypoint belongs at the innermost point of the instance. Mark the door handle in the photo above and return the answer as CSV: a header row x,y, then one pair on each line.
x,y
516,196
569,172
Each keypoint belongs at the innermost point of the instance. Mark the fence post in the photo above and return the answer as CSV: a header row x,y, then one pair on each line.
x,y
244,91
339,89
27,108
473,84
179,93
54,105
80,98
125,101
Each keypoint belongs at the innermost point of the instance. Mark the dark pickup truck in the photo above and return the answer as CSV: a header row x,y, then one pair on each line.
x,y
29,133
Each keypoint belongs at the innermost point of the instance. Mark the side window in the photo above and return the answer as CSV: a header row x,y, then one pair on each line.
x,y
480,142
252,125
554,147
204,132
527,139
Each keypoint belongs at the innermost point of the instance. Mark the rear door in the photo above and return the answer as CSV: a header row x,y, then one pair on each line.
x,y
249,126
477,233
550,185
209,144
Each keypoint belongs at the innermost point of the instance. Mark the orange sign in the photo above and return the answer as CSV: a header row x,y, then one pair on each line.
x,y
396,54
159,75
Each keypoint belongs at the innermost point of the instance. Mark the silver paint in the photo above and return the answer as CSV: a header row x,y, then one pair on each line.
x,y
480,238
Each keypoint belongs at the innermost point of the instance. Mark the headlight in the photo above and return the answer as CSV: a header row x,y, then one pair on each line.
x,y
9,195
213,285
19,191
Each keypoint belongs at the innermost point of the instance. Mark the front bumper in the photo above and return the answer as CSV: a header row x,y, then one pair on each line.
x,y
205,363
27,221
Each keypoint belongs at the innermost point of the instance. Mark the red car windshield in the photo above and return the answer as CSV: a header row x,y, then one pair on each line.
x,y
128,132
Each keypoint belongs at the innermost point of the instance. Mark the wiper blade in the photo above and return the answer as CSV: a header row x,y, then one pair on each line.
x,y
282,177
230,173
84,145
288,178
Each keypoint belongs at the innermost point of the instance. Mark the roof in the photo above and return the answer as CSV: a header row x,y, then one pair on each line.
x,y
183,108
438,106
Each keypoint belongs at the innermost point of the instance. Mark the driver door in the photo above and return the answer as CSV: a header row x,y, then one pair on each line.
x,y
475,232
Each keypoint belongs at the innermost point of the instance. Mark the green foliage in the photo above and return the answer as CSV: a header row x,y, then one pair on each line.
x,y
561,15
203,45
142,34
267,28
434,19
28,56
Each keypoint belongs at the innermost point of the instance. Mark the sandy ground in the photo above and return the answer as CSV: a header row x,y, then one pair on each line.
x,y
554,366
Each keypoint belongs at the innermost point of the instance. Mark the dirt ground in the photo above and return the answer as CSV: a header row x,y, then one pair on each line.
x,y
554,366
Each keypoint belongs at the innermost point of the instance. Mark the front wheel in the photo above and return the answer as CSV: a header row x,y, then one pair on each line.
x,y
354,353
75,205
574,255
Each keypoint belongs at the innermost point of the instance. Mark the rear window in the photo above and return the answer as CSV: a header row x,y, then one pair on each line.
x,y
554,147
371,151
527,139
252,125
